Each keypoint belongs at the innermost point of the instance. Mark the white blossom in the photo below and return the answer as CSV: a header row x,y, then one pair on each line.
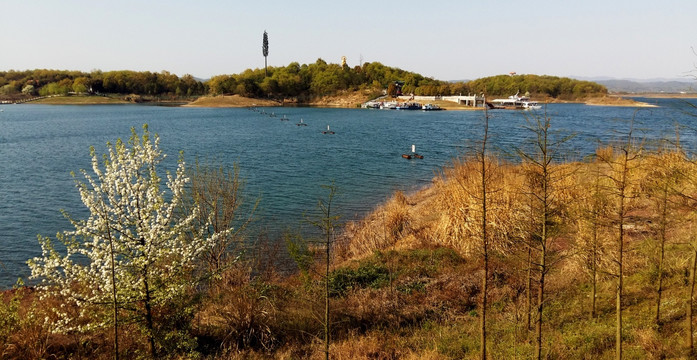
x,y
143,222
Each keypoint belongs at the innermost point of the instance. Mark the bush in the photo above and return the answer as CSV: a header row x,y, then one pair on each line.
x,y
343,280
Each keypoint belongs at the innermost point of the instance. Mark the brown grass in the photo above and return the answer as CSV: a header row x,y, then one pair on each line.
x,y
80,100
617,101
230,101
426,305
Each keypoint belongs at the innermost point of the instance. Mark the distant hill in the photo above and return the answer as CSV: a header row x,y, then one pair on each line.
x,y
674,86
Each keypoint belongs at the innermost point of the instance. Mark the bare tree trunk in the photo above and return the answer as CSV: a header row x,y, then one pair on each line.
x,y
114,299
485,245
327,224
148,318
540,304
326,302
618,305
528,291
482,318
690,296
620,266
659,289
594,269
543,248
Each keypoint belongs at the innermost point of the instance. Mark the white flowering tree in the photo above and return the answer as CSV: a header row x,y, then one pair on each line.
x,y
134,253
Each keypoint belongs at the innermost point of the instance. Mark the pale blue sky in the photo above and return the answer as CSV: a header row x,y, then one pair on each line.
x,y
446,40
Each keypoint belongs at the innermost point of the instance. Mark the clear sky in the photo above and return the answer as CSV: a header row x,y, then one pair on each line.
x,y
446,40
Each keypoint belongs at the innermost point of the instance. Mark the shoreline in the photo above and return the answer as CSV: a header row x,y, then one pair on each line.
x,y
236,101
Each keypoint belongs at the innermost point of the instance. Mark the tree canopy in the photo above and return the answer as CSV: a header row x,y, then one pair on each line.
x,y
292,81
322,78
60,82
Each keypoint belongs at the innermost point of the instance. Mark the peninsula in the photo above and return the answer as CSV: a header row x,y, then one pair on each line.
x,y
318,84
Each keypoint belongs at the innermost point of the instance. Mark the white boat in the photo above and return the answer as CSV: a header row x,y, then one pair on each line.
x,y
531,105
516,102
431,107
388,105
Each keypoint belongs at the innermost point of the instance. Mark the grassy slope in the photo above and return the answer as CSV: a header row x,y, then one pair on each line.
x,y
411,293
404,290
79,100
230,101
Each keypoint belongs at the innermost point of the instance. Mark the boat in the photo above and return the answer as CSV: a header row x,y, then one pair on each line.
x,y
400,106
531,105
515,102
329,132
301,123
409,106
284,118
413,154
371,105
431,107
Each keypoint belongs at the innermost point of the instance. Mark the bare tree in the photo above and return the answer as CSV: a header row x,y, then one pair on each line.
x,y
327,223
544,183
660,182
590,213
622,161
477,214
217,193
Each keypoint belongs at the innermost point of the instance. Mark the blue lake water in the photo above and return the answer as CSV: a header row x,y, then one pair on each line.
x,y
282,163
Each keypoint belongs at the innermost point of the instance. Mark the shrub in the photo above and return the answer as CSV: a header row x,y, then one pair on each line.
x,y
343,280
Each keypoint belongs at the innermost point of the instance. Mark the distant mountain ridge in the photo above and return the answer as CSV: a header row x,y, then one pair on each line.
x,y
658,85
676,86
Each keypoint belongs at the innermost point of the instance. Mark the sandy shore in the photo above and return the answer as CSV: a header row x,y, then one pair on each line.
x,y
616,101
230,101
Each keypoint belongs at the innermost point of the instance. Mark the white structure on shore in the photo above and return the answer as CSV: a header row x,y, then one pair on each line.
x,y
468,100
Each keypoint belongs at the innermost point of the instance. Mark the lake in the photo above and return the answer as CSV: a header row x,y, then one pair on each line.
x,y
283,164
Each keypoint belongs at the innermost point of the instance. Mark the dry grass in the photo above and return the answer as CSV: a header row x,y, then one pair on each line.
x,y
423,302
230,101
80,100
616,101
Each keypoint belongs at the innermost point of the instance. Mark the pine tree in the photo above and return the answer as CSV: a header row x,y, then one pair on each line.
x,y
265,51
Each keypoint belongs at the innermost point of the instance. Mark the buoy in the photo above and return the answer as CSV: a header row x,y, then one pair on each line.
x,y
406,156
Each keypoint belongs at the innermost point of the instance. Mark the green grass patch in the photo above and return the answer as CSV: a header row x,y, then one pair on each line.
x,y
343,280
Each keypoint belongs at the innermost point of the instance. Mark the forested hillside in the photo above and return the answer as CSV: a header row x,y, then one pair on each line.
x,y
60,82
296,81
538,85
